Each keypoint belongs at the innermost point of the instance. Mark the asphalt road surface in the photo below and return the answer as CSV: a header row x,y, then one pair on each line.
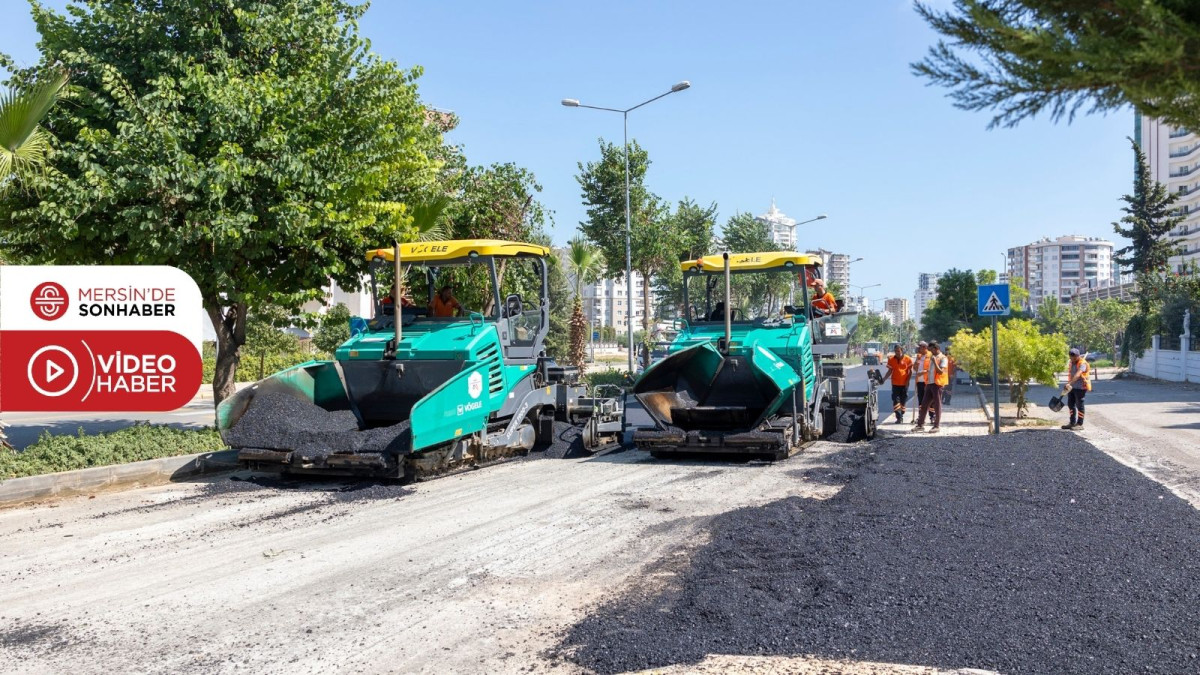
x,y
1150,425
24,428
477,572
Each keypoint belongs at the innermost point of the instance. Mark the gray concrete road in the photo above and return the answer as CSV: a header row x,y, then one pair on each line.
x,y
24,428
1150,425
468,573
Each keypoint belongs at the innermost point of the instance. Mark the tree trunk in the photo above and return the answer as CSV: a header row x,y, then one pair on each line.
x,y
646,317
230,326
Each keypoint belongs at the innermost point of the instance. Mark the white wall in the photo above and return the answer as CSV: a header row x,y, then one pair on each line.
x,y
1168,364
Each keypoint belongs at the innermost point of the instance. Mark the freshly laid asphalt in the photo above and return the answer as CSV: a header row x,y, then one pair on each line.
x,y
1030,552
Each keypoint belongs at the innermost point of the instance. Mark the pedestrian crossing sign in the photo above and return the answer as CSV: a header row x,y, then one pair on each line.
x,y
993,300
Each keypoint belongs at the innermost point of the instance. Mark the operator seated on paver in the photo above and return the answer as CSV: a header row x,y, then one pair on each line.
x,y
445,304
718,313
899,366
1079,383
823,302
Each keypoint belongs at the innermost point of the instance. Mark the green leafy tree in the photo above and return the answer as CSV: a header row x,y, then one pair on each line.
x,y
1096,325
1023,57
986,277
907,334
1149,217
495,202
24,144
266,337
1018,295
696,226
655,242
1026,354
755,294
334,329
1051,315
585,263
559,291
953,308
874,328
251,144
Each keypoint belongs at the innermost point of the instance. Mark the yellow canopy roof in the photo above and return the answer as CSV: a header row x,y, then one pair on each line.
x,y
749,262
433,251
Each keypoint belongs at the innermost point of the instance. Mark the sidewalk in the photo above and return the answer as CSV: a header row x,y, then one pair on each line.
x,y
962,417
206,391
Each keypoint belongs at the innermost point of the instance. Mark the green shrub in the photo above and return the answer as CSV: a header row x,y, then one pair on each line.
x,y
54,453
1102,363
609,376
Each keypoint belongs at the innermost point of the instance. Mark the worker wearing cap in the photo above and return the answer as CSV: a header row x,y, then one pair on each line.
x,y
899,366
823,301
937,377
921,371
1079,383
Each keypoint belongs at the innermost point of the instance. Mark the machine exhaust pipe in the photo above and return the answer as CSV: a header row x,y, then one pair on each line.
x,y
397,300
728,305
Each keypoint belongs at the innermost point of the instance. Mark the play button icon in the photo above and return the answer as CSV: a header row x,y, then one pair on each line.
x,y
53,370
57,368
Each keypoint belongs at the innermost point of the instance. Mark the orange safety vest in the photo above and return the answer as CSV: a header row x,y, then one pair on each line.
x,y
1084,371
901,369
921,367
939,370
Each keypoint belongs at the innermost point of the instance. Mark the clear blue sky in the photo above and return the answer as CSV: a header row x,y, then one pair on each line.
x,y
811,103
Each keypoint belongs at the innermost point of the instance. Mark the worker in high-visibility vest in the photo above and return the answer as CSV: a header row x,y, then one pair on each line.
x,y
823,302
899,366
937,377
1079,383
921,371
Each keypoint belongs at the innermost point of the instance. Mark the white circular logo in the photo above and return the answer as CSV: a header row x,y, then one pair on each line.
x,y
50,371
475,384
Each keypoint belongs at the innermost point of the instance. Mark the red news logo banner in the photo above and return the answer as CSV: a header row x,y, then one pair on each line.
x,y
89,338
97,371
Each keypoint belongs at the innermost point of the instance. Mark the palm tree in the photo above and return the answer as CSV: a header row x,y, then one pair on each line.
x,y
585,262
23,143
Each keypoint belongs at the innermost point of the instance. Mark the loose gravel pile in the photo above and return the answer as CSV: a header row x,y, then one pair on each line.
x,y
277,421
1025,553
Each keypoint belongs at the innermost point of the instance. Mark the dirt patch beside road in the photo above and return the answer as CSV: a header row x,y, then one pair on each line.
x,y
1023,553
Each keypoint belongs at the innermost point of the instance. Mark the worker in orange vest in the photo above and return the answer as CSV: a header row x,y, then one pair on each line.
x,y
1079,383
936,377
921,371
899,366
823,302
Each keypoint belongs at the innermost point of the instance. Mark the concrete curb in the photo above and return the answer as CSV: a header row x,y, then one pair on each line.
x,y
149,472
983,404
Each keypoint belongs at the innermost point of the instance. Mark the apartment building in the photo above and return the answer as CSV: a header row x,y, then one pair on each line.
x,y
1059,268
783,228
835,267
1173,154
605,303
926,292
896,309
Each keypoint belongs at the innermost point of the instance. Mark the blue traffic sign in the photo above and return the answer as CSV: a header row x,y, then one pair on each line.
x,y
993,300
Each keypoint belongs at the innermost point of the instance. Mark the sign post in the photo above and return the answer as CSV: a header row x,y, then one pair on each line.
x,y
994,302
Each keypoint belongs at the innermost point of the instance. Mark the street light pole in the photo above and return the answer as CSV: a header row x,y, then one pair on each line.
x,y
574,103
